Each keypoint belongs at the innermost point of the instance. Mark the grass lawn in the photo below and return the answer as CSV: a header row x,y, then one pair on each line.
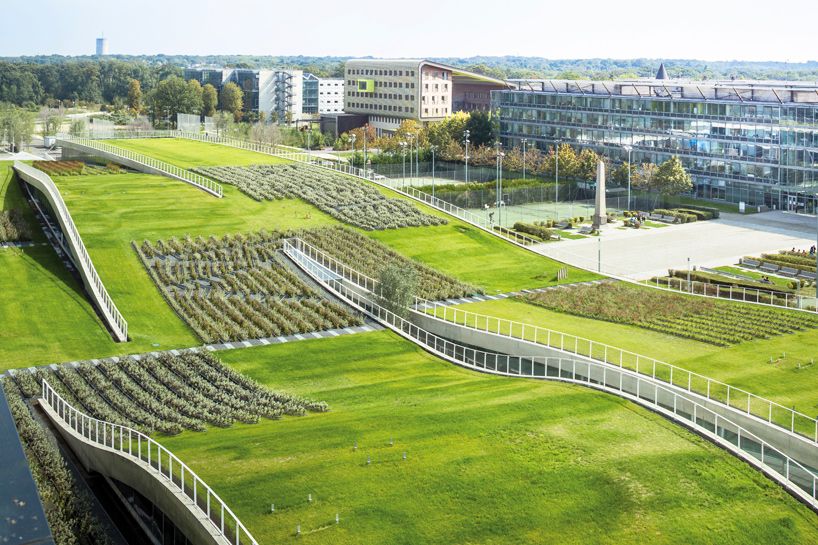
x,y
777,280
110,211
490,460
745,365
473,256
191,153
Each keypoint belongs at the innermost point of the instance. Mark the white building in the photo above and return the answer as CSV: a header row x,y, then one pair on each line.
x,y
330,96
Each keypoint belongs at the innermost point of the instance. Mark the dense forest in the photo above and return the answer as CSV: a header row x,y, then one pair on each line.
x,y
47,79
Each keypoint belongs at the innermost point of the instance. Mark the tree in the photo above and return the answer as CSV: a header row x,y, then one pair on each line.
x,y
195,92
135,97
397,288
265,133
587,161
209,100
619,175
77,127
51,119
671,178
172,96
482,129
16,126
643,176
223,122
231,100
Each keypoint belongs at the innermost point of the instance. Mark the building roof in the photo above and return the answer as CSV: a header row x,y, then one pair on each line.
x,y
774,92
418,63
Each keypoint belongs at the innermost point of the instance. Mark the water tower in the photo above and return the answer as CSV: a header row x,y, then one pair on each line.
x,y
102,46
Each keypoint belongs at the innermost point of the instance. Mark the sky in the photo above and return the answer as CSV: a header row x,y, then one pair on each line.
x,y
563,29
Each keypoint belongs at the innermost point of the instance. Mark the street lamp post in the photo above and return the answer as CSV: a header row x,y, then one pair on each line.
x,y
433,149
525,140
366,173
352,139
557,180
500,210
629,149
403,154
466,141
411,147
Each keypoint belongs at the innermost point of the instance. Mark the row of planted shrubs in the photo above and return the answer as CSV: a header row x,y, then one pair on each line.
x,y
166,393
711,321
788,259
535,230
67,505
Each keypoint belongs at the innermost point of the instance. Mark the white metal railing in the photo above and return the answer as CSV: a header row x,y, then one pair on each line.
x,y
346,168
90,145
714,390
108,309
619,381
787,300
150,455
794,302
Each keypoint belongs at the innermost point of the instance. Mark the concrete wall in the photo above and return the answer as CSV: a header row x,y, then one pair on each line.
x,y
142,477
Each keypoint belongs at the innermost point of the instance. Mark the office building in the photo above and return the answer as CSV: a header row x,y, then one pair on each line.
x,y
741,141
322,96
390,91
283,95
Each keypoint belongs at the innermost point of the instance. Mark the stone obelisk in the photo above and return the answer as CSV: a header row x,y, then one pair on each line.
x,y
600,214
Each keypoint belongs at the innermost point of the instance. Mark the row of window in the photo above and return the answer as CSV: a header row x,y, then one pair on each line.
x,y
382,107
763,112
380,72
386,84
435,74
436,87
386,96
436,111
785,135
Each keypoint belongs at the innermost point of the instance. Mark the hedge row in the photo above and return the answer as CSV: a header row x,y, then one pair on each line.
x,y
538,231
710,278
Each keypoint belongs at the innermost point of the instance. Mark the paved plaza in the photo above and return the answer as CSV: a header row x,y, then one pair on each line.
x,y
643,253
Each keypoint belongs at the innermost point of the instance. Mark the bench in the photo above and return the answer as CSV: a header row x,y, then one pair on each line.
x,y
668,219
769,267
788,271
586,230
562,225
806,275
655,217
752,263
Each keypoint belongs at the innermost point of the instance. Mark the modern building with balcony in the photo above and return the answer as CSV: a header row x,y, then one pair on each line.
x,y
322,95
741,141
390,91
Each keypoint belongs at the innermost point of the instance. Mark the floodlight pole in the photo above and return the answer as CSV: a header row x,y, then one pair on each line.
x,y
466,141
352,138
433,149
629,149
403,154
411,146
525,140
365,160
557,186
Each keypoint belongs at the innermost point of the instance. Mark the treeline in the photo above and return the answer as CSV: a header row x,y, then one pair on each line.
x,y
70,82
45,79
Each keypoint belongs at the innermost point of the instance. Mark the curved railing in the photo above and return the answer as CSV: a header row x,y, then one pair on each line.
x,y
795,422
622,382
93,284
151,455
89,145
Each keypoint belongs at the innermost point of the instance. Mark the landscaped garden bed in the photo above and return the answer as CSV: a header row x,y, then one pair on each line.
x,y
716,322
238,288
344,198
75,168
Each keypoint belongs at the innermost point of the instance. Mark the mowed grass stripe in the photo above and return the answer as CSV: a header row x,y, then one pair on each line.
x,y
489,460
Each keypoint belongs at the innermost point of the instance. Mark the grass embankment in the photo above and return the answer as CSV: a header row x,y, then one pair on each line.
x,y
790,379
489,460
191,153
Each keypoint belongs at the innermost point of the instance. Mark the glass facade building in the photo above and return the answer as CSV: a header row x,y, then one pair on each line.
x,y
310,96
755,142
